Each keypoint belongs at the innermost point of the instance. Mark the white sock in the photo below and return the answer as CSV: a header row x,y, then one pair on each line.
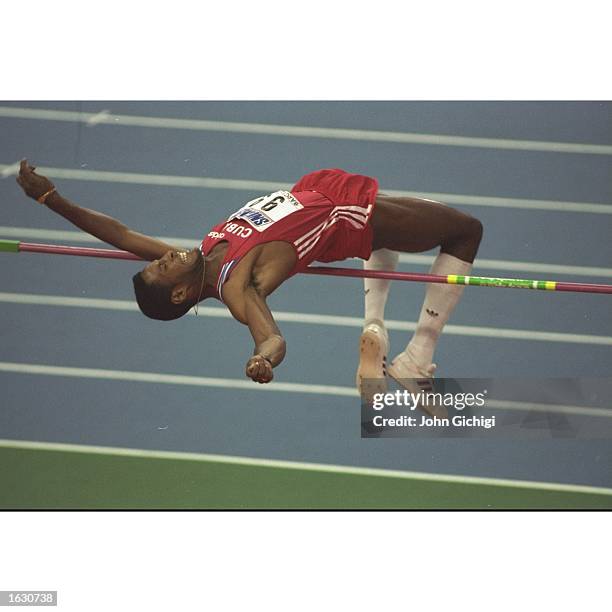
x,y
440,301
377,290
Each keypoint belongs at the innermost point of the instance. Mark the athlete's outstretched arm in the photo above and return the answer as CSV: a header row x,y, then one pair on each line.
x,y
270,346
97,224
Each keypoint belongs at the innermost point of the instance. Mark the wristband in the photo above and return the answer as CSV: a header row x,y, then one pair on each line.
x,y
43,198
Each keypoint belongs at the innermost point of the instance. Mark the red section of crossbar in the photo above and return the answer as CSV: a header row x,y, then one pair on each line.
x,y
584,287
55,249
401,276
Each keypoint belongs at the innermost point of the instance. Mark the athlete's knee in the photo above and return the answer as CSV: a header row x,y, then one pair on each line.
x,y
464,241
474,229
466,229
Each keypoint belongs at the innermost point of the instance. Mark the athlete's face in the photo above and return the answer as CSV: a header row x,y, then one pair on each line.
x,y
174,267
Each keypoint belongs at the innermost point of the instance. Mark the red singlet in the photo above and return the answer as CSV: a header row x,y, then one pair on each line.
x,y
325,218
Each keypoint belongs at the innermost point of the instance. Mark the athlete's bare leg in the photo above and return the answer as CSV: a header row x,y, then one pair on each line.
x,y
413,225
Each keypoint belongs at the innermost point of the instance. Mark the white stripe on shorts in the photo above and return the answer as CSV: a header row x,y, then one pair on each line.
x,y
311,242
354,220
359,212
320,229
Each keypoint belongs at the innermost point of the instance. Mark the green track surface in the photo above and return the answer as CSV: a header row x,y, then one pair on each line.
x,y
47,479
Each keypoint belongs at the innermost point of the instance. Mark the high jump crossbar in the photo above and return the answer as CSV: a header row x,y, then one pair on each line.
x,y
16,246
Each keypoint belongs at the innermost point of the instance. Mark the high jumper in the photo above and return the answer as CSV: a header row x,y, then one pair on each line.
x,y
328,215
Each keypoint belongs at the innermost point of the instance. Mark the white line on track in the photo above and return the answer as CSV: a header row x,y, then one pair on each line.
x,y
174,379
96,118
519,203
513,266
268,186
557,408
275,386
30,233
9,170
417,138
314,319
295,465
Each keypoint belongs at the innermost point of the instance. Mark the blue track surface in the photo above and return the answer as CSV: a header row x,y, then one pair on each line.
x,y
296,426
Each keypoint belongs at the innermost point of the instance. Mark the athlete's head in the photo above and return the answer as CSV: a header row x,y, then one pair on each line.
x,y
168,287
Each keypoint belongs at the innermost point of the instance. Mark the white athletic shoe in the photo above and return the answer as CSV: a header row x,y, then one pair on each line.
x,y
415,379
371,374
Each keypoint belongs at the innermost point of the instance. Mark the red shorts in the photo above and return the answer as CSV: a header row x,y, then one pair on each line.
x,y
352,197
340,186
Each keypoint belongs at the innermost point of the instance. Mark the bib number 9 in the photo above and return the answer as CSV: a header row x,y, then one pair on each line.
x,y
268,205
263,212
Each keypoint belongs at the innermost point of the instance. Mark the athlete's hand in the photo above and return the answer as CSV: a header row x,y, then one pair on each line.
x,y
34,185
259,369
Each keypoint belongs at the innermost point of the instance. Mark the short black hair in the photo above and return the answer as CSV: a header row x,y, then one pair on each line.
x,y
155,301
